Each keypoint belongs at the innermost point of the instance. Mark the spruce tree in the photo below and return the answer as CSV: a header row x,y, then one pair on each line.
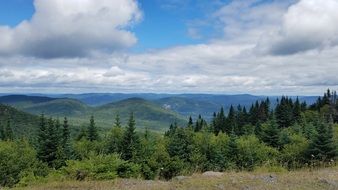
x,y
42,138
190,122
231,124
322,147
65,140
92,131
52,143
130,140
271,134
114,141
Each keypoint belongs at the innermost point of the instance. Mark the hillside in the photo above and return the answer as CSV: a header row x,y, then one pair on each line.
x,y
147,114
22,123
23,101
188,107
59,108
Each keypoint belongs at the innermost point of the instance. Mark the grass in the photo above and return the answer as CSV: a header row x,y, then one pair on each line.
x,y
299,180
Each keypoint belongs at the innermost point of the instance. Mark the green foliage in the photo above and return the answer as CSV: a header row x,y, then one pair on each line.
x,y
180,144
322,147
171,168
130,142
292,154
271,133
252,153
99,167
92,130
16,160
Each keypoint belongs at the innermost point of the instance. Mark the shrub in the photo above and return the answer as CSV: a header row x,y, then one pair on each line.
x,y
17,159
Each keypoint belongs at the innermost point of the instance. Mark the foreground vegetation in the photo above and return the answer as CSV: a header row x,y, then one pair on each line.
x,y
322,179
290,136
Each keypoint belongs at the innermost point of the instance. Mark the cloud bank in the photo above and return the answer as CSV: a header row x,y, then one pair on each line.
x,y
274,47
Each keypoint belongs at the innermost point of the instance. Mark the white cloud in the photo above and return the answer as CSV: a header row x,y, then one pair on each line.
x,y
307,25
63,28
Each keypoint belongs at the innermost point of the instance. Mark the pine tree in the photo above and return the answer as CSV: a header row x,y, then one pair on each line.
x,y
92,131
130,140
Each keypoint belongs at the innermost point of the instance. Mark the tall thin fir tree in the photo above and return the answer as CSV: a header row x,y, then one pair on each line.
x,y
66,146
92,130
42,138
8,132
130,140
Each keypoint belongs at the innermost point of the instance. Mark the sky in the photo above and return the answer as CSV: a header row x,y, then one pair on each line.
x,y
262,47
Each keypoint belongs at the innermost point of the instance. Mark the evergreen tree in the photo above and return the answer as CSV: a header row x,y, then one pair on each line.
x,y
220,121
117,122
180,144
8,133
92,131
82,134
232,149
231,124
2,132
297,111
130,141
65,140
48,142
322,147
190,122
115,137
284,112
42,138
271,134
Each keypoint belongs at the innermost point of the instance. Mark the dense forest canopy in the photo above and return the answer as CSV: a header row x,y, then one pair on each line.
x,y
290,135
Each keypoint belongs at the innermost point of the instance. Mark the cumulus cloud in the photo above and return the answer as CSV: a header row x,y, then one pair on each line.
x,y
307,25
63,28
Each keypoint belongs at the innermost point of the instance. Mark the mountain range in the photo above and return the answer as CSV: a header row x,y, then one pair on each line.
x,y
154,111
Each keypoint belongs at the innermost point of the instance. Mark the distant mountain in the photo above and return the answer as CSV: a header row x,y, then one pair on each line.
x,y
98,99
23,124
156,111
147,114
22,101
59,108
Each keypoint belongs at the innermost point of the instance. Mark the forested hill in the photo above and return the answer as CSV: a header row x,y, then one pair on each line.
x,y
22,123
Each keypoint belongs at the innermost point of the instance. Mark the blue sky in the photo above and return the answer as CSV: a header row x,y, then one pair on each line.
x,y
266,47
165,23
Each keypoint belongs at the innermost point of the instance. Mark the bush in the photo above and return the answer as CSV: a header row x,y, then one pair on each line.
x,y
171,168
252,153
101,167
17,160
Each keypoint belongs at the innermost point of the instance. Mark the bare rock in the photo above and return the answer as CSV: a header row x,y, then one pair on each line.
x,y
212,174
